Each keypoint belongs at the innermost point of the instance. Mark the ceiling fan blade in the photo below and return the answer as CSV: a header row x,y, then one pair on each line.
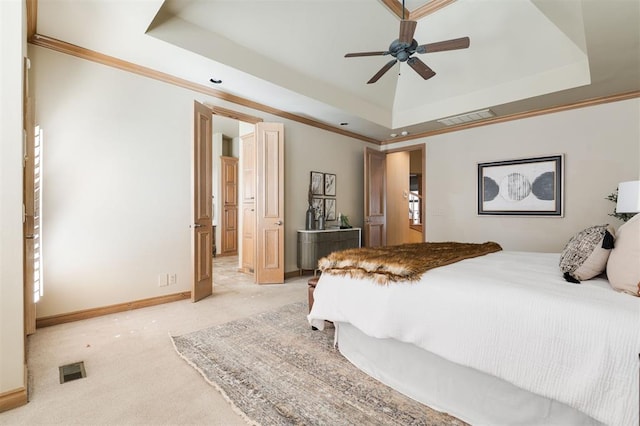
x,y
407,29
353,55
441,46
421,68
382,71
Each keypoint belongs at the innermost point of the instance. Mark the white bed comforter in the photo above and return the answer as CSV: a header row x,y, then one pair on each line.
x,y
512,315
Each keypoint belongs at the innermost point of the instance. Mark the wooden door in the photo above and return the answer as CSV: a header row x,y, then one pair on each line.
x,y
202,206
375,219
270,203
229,220
247,255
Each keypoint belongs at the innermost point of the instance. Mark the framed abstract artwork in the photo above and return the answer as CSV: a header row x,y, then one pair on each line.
x,y
318,206
523,187
330,208
317,183
330,184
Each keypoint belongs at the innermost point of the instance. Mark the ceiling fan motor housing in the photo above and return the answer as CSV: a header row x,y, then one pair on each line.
x,y
402,51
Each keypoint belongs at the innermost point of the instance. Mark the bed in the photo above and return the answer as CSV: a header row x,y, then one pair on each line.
x,y
499,339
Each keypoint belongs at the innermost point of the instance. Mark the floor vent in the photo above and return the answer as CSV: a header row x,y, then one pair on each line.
x,y
71,372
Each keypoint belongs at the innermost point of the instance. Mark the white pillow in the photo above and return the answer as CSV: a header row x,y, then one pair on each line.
x,y
585,255
623,267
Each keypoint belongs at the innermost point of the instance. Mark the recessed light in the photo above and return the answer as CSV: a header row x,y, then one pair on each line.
x,y
215,81
393,135
344,123
404,133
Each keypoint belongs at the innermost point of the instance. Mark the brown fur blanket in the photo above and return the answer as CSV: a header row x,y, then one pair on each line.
x,y
405,262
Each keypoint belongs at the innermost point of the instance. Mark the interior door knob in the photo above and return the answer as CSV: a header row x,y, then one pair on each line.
x,y
197,225
279,223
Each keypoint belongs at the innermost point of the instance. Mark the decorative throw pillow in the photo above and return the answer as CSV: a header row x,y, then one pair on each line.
x,y
586,253
623,268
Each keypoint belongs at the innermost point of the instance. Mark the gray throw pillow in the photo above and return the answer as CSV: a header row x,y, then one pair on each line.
x,y
585,255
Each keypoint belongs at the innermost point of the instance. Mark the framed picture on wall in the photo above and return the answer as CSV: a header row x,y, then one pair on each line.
x,y
330,184
524,187
317,183
330,208
318,205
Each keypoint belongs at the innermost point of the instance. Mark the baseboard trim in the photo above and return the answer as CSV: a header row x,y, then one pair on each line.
x,y
13,399
112,309
297,274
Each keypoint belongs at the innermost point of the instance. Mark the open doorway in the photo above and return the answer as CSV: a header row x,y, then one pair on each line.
x,y
259,189
226,196
405,197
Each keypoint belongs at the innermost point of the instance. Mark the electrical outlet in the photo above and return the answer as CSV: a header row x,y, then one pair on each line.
x,y
173,279
163,280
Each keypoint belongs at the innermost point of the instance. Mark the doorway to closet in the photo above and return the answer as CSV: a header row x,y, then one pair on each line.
x,y
226,152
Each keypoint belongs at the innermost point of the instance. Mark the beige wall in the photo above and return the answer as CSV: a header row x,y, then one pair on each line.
x,y
117,193
601,147
12,46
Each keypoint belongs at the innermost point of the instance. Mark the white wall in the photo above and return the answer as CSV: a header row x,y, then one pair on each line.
x,y
117,194
12,46
116,201
601,145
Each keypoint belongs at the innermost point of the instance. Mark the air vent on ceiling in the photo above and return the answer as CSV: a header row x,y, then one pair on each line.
x,y
465,118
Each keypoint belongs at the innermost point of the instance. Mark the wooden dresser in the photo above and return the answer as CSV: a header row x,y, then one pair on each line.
x,y
315,244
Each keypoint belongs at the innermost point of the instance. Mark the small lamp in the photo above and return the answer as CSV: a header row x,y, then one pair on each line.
x,y
628,197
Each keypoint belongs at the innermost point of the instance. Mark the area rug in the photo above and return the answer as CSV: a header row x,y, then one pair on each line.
x,y
275,370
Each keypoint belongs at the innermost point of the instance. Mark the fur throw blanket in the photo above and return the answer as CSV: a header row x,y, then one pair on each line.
x,y
406,262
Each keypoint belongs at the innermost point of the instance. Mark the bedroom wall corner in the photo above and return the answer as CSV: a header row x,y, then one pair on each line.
x,y
601,147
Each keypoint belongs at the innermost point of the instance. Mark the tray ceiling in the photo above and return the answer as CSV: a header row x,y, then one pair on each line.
x,y
290,54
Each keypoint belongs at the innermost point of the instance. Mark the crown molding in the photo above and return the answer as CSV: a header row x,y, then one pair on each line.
x,y
517,116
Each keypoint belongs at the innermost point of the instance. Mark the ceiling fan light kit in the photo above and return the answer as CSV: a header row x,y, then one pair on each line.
x,y
405,46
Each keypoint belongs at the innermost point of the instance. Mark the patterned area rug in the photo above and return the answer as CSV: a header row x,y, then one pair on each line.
x,y
275,370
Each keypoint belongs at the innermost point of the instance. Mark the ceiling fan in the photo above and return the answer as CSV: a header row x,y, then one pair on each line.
x,y
405,46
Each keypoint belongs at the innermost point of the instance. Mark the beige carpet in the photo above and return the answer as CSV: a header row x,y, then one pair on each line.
x,y
134,376
277,371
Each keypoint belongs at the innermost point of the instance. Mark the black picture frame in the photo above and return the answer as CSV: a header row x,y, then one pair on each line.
x,y
316,182
318,205
521,187
330,208
330,184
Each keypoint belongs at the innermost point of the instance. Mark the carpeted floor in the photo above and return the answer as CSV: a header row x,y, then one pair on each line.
x,y
276,371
